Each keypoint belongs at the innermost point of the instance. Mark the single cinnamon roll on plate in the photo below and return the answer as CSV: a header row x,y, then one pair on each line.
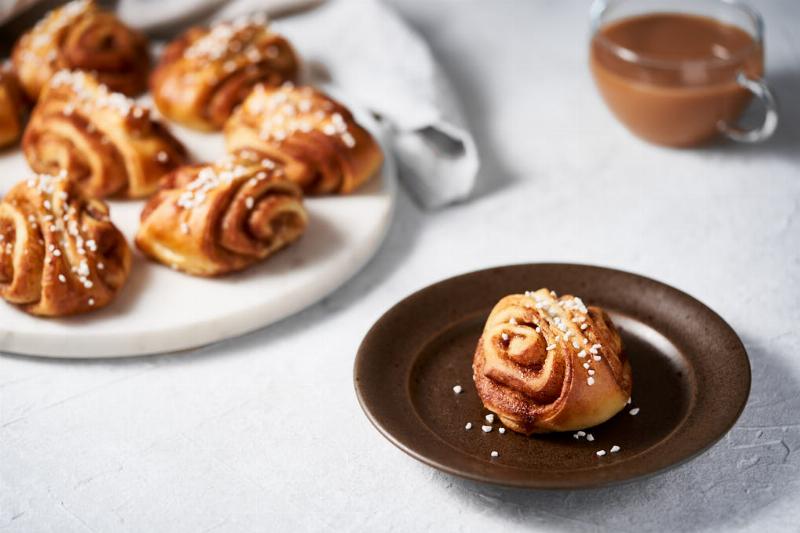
x,y
547,364
218,218
316,138
205,73
59,252
81,36
106,142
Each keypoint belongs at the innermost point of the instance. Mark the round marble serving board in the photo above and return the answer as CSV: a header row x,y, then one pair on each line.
x,y
161,310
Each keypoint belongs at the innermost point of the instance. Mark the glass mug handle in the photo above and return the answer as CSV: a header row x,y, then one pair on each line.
x,y
761,91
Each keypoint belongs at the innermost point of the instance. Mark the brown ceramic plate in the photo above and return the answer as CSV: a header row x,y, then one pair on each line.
x,y
691,379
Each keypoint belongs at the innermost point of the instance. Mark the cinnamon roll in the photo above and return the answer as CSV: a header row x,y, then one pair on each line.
x,y
217,218
104,141
81,36
550,364
12,107
323,148
207,72
59,252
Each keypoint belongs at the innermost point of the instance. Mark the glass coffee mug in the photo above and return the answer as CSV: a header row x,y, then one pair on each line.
x,y
680,73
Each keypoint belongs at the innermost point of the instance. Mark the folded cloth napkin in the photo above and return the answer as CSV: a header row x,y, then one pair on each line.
x,y
369,54
378,60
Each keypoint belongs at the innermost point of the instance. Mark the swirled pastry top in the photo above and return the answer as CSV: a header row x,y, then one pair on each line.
x,y
205,73
81,36
316,138
106,142
59,252
12,107
212,219
546,363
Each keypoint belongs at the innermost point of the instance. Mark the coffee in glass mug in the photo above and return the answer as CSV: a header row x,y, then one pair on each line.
x,y
680,73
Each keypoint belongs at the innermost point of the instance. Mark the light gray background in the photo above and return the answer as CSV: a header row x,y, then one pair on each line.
x,y
264,432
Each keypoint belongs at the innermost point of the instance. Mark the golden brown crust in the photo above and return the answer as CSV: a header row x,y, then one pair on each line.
x,y
12,107
104,141
550,364
316,138
81,36
206,73
217,218
59,252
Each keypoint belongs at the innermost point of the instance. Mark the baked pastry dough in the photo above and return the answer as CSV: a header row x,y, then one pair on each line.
x,y
105,141
550,364
315,137
81,36
12,107
59,252
205,73
218,218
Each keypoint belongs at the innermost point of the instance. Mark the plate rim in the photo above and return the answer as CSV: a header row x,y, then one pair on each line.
x,y
488,479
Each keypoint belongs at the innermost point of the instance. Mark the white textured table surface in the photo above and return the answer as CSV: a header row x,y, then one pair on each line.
x,y
264,432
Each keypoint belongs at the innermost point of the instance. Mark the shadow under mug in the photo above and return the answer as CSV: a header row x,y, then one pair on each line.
x,y
681,97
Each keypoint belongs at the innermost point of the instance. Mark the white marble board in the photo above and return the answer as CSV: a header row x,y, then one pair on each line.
x,y
161,310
